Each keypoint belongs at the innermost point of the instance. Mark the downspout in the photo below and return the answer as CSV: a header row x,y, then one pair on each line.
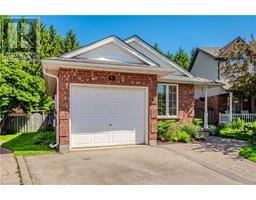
x,y
57,108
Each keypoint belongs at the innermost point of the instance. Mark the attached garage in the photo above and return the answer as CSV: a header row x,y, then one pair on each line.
x,y
107,115
106,93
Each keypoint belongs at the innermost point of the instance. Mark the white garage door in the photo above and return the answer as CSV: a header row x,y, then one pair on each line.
x,y
103,116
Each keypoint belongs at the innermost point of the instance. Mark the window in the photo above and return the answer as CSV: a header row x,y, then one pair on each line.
x,y
167,100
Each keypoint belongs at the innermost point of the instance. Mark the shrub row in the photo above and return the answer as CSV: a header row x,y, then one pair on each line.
x,y
169,130
242,125
237,129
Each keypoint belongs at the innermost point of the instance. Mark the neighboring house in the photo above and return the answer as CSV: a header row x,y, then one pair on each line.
x,y
113,91
207,63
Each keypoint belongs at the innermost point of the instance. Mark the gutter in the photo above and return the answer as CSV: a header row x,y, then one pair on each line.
x,y
188,82
57,108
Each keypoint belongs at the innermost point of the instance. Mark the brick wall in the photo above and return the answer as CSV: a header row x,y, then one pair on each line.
x,y
186,103
216,104
223,103
213,105
67,76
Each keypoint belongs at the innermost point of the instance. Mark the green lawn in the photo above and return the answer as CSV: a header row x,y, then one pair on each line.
x,y
249,152
6,138
22,144
236,134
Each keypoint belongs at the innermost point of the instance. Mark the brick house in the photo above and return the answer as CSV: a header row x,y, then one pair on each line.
x,y
113,91
224,104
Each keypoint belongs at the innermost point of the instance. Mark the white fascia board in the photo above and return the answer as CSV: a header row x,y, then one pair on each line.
x,y
54,65
160,56
213,84
106,41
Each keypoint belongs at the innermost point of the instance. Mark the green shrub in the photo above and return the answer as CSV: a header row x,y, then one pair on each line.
x,y
48,128
162,129
180,136
236,134
213,130
198,122
236,124
250,127
44,138
191,129
249,152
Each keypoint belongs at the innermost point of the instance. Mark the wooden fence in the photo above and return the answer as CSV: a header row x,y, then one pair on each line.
x,y
26,123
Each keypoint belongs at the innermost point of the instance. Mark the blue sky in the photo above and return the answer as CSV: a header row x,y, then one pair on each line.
x,y
170,32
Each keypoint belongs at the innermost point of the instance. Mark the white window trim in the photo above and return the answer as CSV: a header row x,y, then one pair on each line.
x,y
167,102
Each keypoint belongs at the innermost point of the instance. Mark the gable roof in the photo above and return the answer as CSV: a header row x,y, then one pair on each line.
x,y
107,55
76,54
235,40
160,55
214,52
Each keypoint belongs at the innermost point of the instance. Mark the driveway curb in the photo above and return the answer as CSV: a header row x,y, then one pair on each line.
x,y
25,177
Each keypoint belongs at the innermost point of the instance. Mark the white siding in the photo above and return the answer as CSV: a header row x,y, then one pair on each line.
x,y
205,66
110,52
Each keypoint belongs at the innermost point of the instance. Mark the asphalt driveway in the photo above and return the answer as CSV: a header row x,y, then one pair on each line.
x,y
162,164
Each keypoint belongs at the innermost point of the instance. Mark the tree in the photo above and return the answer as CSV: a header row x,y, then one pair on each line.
x,y
157,47
21,82
192,52
20,89
34,38
4,39
56,42
169,55
71,42
44,47
182,58
239,66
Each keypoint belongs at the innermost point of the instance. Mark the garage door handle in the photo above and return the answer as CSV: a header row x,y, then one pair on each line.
x,y
110,124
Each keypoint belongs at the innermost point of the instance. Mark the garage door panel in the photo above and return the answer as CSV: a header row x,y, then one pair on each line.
x,y
101,127
101,138
102,116
119,137
81,139
106,109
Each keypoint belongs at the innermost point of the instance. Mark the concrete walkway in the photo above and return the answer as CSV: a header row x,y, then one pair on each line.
x,y
8,168
218,154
